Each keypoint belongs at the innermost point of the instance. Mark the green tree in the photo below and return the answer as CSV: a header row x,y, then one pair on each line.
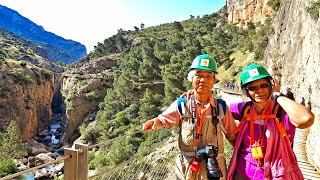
x,y
11,142
174,76
122,119
120,42
120,151
177,25
147,70
161,52
150,105
10,148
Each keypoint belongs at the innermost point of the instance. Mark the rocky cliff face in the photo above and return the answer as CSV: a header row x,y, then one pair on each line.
x,y
294,52
83,89
243,11
25,96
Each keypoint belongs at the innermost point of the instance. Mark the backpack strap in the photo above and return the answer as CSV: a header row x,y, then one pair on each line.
x,y
221,112
277,109
279,125
243,111
222,107
182,107
181,101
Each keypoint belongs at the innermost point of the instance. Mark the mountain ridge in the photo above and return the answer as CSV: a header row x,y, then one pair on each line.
x,y
59,49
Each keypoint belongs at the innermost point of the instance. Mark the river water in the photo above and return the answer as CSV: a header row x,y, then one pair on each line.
x,y
55,125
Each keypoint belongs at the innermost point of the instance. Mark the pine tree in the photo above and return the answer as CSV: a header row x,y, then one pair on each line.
x,y
12,141
10,148
150,105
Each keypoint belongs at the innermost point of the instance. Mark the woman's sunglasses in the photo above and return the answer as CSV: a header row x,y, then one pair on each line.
x,y
255,88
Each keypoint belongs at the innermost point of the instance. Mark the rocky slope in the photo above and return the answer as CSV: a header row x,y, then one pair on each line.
x,y
26,93
27,84
293,52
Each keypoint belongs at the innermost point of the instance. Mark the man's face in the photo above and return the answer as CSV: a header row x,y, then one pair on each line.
x,y
203,81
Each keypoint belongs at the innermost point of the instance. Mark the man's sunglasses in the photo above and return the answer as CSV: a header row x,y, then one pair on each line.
x,y
255,88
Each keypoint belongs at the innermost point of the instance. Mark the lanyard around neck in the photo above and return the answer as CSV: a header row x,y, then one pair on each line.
x,y
198,121
252,118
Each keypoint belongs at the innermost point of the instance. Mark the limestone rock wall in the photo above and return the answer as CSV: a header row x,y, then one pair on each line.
x,y
294,52
25,96
243,11
81,97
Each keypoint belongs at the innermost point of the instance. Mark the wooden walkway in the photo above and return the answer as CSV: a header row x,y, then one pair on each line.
x,y
299,145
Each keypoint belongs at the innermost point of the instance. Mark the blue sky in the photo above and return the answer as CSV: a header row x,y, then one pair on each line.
x,y
91,21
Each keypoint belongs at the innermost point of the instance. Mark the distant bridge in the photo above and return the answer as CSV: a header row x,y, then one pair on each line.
x,y
87,76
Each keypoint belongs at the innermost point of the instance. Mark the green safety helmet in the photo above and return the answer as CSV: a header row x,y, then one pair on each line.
x,y
252,73
204,62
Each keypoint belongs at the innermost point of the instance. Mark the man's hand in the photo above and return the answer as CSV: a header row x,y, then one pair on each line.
x,y
153,124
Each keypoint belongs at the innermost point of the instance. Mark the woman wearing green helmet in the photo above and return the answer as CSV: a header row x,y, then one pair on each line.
x,y
263,146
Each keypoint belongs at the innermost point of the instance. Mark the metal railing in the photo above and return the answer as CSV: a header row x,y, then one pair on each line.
x,y
76,162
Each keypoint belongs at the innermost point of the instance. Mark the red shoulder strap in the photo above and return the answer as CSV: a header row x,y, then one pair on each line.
x,y
280,127
236,130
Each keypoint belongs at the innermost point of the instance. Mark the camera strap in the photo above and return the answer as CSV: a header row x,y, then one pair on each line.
x,y
194,117
215,121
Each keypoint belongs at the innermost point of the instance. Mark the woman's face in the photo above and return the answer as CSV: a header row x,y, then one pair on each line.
x,y
259,90
203,81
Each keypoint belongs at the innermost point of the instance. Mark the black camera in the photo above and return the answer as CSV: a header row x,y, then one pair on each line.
x,y
210,153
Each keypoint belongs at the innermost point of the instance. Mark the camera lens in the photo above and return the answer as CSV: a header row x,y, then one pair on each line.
x,y
213,169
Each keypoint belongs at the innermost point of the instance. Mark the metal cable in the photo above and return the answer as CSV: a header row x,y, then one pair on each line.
x,y
109,170
129,170
110,140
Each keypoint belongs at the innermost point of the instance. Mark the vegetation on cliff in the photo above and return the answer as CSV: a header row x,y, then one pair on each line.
x,y
16,48
314,10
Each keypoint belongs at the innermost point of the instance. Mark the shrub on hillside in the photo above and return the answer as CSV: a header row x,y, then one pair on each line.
x,y
47,74
7,166
20,76
274,4
314,10
92,96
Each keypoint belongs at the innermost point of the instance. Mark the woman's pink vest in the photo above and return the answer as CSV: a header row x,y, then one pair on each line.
x,y
279,162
